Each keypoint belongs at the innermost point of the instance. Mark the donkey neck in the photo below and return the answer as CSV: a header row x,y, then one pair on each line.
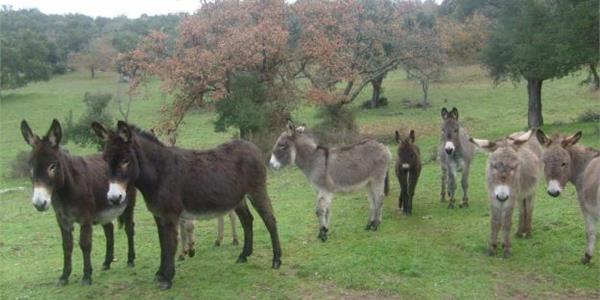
x,y
70,173
580,158
306,154
151,157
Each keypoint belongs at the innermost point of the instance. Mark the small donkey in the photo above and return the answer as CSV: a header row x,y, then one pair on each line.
x,y
456,154
408,169
332,170
513,169
565,160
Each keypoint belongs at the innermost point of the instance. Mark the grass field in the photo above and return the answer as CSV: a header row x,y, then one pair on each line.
x,y
435,253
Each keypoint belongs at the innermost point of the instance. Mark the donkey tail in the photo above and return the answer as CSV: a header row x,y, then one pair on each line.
x,y
386,184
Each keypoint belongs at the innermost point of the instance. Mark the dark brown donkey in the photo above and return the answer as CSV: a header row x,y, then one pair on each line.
x,y
77,187
178,183
408,169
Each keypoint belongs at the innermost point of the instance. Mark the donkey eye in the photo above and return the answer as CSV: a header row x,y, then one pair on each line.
x,y
564,164
456,130
283,146
125,162
52,167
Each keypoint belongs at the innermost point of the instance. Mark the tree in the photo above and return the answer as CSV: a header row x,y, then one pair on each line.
x,y
526,42
463,40
96,111
24,58
354,43
223,39
99,55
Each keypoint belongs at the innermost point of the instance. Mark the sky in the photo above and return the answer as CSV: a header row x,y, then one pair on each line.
x,y
107,8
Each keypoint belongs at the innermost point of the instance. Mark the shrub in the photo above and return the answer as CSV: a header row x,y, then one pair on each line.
x,y
19,167
80,132
589,116
337,125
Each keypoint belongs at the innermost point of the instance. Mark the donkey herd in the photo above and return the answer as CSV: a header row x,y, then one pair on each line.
x,y
180,185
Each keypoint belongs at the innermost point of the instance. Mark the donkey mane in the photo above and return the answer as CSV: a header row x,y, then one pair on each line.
x,y
349,147
145,134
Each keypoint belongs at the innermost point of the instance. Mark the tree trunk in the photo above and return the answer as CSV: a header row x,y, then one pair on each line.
x,y
595,78
93,71
376,83
425,87
534,91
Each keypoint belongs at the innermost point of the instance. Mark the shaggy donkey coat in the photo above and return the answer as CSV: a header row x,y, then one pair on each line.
x,y
332,170
77,188
513,170
408,169
565,160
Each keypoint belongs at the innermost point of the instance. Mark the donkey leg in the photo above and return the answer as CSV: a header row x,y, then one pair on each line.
x,y
522,217
66,231
590,227
233,228
85,243
412,185
529,217
191,239
130,232
220,229
182,239
169,228
496,221
246,219
323,205
444,179
506,225
379,197
451,186
464,181
262,203
159,274
404,193
110,243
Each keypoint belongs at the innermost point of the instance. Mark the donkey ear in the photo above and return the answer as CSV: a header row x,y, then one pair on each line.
x,y
54,134
30,138
571,140
454,113
486,145
100,131
411,136
123,131
542,138
397,136
444,113
291,127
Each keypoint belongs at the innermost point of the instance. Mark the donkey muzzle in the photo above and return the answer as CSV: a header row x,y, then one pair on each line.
x,y
41,206
502,193
116,193
554,188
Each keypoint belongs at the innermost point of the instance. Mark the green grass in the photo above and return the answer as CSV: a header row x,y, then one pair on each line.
x,y
436,253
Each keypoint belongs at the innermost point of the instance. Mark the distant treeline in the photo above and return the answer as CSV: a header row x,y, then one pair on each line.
x,y
34,46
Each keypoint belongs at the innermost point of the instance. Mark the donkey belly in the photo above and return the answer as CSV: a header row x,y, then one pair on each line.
x,y
107,215
187,215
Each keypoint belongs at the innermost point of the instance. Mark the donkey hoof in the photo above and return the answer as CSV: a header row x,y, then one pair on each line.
x,y
62,281
323,234
131,264
181,257
586,259
507,254
159,277
105,266
276,263
491,252
165,285
192,252
217,243
464,205
86,281
241,259
451,205
235,242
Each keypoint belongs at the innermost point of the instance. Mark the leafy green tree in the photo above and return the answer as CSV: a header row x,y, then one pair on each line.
x,y
25,57
96,111
528,41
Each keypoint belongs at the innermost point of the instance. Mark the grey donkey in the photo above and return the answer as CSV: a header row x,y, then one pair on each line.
x,y
566,161
513,171
333,170
456,154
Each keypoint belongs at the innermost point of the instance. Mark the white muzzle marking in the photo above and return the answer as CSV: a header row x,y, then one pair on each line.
x,y
116,191
405,166
554,187
502,192
449,146
275,164
41,197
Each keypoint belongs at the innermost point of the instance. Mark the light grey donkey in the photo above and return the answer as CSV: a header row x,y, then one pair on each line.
x,y
513,170
456,154
565,160
333,170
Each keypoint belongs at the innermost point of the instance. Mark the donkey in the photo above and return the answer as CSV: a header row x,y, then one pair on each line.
x,y
77,189
408,169
186,227
179,183
565,160
456,154
513,170
332,170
